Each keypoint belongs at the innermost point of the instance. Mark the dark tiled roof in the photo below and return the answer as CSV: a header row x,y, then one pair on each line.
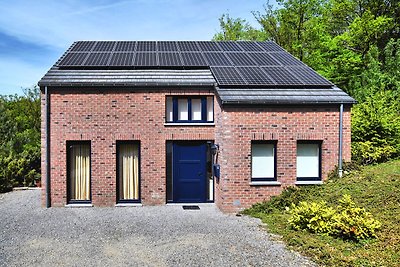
x,y
243,71
275,96
129,77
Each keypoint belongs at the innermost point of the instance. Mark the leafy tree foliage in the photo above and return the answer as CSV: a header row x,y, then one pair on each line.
x,y
237,29
355,44
20,139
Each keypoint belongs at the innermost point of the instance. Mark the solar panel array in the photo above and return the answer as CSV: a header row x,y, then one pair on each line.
x,y
243,63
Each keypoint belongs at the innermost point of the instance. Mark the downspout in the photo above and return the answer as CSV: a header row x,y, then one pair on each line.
x,y
47,108
340,165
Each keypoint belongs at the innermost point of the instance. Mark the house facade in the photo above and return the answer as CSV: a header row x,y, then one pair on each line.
x,y
149,123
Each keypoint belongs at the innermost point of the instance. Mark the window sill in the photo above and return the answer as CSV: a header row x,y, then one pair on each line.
x,y
308,182
89,205
128,205
189,124
271,183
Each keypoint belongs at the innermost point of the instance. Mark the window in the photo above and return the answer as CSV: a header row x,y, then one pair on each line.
x,y
128,189
308,161
194,109
78,172
263,161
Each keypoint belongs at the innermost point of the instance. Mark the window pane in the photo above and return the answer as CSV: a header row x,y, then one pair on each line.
x,y
263,162
170,115
183,110
196,109
128,171
210,109
79,172
308,160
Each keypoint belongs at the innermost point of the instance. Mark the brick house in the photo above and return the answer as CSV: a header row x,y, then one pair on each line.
x,y
132,123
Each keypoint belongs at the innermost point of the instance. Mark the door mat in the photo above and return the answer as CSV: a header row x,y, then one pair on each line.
x,y
194,207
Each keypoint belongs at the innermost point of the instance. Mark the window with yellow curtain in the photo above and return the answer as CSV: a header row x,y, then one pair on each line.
x,y
128,172
79,172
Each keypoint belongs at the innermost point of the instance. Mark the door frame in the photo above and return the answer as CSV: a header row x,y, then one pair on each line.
x,y
169,170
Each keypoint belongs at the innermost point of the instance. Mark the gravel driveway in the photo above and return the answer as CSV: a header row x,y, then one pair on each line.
x,y
135,236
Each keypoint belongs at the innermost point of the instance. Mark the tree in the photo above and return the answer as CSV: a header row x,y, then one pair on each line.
x,y
20,135
235,29
353,43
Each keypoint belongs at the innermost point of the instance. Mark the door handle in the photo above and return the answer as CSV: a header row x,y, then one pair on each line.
x,y
200,174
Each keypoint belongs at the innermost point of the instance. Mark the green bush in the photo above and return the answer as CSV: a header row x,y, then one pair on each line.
x,y
315,217
354,222
376,128
288,196
347,221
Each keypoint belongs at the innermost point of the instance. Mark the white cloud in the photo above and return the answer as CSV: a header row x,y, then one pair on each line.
x,y
16,74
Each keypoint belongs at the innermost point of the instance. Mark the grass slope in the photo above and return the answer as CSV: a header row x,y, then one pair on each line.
x,y
377,188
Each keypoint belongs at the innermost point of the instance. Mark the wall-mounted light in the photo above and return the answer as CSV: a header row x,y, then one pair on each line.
x,y
214,149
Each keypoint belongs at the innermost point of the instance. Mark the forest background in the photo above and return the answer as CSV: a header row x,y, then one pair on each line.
x,y
353,43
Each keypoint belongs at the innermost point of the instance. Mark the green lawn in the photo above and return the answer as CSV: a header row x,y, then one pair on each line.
x,y
377,188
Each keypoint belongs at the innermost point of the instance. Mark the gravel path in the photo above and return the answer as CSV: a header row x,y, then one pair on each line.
x,y
135,236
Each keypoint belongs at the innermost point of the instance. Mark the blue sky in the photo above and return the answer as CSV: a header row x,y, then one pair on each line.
x,y
34,34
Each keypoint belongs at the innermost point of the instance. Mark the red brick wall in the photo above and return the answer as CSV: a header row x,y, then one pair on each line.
x,y
103,117
238,126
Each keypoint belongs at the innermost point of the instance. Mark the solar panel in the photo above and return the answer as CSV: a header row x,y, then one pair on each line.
x,y
169,59
254,76
227,76
286,59
249,46
83,46
209,46
73,59
308,76
193,59
217,59
188,46
145,59
232,63
270,46
122,59
241,59
97,59
281,76
229,46
147,46
104,46
263,59
167,46
126,46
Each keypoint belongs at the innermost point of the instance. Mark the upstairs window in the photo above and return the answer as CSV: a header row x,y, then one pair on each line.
x,y
193,109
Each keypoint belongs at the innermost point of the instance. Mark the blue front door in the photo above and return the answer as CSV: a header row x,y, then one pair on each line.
x,y
189,172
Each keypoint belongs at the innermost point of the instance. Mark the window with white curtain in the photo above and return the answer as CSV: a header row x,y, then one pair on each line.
x,y
196,109
78,171
183,108
189,109
128,171
263,161
308,161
